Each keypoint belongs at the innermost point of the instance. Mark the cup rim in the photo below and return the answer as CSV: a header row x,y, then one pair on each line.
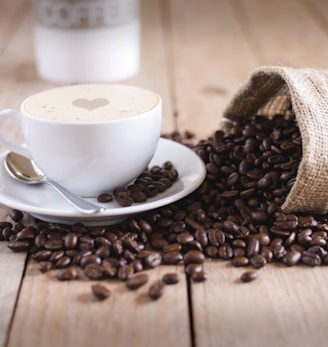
x,y
91,122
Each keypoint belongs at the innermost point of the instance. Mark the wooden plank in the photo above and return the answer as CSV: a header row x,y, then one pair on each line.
x,y
211,58
319,10
11,271
155,70
51,313
283,33
284,307
11,15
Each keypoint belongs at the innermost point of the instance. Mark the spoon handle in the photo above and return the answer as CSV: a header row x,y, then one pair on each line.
x,y
80,204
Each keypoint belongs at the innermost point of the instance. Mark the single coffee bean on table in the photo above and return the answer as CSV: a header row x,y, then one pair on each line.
x,y
67,274
248,276
199,276
136,281
100,291
171,278
156,290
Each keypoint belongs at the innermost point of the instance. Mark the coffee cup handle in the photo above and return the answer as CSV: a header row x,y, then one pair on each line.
x,y
20,149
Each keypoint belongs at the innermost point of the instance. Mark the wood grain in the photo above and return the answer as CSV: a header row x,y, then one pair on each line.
x,y
11,13
283,307
207,46
12,266
283,33
51,313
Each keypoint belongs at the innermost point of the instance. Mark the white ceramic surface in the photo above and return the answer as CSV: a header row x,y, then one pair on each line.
x,y
86,41
89,156
44,203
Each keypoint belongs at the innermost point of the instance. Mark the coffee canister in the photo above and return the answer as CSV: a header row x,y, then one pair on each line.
x,y
86,40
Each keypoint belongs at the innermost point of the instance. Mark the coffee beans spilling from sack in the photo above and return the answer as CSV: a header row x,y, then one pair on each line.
x,y
235,215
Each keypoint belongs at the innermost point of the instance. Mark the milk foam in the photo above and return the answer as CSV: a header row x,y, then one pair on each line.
x,y
90,102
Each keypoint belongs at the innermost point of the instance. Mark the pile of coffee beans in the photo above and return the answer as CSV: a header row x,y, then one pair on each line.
x,y
235,216
151,182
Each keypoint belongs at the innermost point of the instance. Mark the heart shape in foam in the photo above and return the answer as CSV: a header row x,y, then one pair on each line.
x,y
90,105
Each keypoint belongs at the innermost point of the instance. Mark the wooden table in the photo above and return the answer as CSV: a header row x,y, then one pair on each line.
x,y
195,54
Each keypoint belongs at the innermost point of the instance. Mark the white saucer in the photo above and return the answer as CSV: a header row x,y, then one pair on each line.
x,y
42,202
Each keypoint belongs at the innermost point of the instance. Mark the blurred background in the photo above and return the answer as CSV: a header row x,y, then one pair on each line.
x,y
195,54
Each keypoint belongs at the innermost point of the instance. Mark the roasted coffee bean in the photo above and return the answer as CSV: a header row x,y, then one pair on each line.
x,y
56,255
42,255
124,201
307,221
94,271
109,268
172,258
89,259
201,237
305,236
26,233
18,246
67,274
286,222
225,252
311,259
105,197
103,251
279,251
257,261
4,225
63,262
7,232
211,251
153,260
145,226
239,252
248,276
171,278
184,238
266,251
54,244
137,265
230,227
131,244
118,247
137,281
253,246
100,291
45,266
40,240
156,290
140,196
199,276
193,267
125,272
16,215
173,247
70,240
240,261
193,256
291,258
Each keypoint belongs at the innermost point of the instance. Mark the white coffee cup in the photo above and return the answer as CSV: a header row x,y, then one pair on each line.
x,y
90,138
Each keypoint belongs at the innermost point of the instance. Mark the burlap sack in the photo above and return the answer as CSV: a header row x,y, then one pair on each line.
x,y
273,90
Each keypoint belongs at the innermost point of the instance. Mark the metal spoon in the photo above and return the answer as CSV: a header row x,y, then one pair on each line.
x,y
24,170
